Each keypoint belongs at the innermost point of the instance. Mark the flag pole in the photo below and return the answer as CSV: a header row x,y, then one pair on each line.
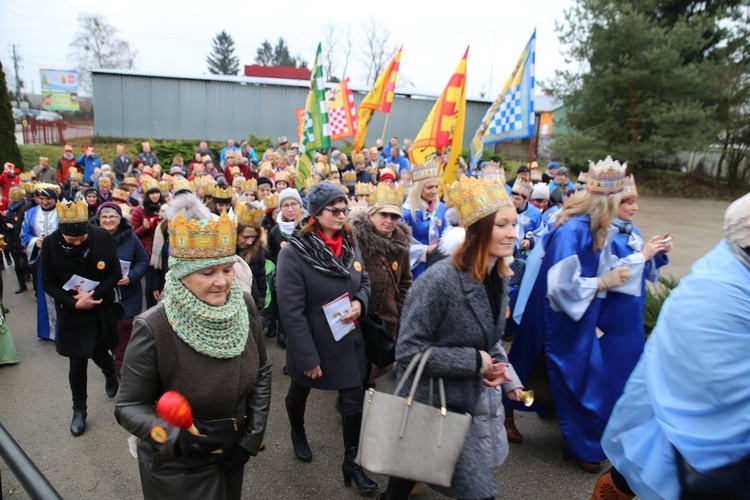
x,y
385,125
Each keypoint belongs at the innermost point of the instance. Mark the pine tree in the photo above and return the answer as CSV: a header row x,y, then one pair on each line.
x,y
8,147
221,60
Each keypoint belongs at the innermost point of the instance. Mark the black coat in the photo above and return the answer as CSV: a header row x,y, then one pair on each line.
x,y
77,328
14,216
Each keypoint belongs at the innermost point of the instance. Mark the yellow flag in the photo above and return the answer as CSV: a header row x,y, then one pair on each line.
x,y
444,128
378,99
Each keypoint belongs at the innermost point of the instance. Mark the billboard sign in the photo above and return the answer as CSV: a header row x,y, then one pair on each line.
x,y
59,90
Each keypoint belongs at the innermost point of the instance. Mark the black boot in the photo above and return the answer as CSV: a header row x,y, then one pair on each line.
x,y
271,332
112,385
281,336
296,416
78,425
352,471
21,289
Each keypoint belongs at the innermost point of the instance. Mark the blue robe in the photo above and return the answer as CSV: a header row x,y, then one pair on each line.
x,y
621,317
559,322
426,229
689,390
43,330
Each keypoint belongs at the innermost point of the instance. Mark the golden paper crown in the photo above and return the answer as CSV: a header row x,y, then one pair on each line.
x,y
358,158
606,176
267,172
310,182
492,171
28,187
475,198
183,183
43,186
71,213
206,239
272,200
164,186
424,172
535,175
120,195
16,193
283,177
148,183
75,175
356,207
386,195
128,180
349,178
362,189
250,186
582,178
321,168
628,187
522,187
247,215
27,176
104,181
222,193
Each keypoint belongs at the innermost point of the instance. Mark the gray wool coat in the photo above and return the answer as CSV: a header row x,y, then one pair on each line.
x,y
302,292
450,311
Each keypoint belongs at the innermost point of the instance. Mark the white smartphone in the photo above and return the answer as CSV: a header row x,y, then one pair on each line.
x,y
666,240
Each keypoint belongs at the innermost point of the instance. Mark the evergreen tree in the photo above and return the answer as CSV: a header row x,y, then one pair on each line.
x,y
650,80
268,55
221,60
8,147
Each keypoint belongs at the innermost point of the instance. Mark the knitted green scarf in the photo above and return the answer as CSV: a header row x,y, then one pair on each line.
x,y
216,331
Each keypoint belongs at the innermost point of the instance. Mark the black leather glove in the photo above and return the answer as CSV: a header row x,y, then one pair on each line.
x,y
235,459
196,447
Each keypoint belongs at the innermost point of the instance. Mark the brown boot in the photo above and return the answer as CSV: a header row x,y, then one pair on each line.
x,y
514,436
605,489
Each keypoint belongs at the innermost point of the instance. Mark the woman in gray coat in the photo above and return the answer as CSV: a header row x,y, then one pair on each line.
x,y
458,307
321,263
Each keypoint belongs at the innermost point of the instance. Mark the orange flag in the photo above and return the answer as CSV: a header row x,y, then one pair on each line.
x,y
379,98
444,128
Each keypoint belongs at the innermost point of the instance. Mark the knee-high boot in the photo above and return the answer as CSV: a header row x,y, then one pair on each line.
x,y
296,414
352,471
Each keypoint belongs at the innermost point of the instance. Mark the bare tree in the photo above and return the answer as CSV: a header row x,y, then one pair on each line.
x,y
330,40
347,48
377,48
96,46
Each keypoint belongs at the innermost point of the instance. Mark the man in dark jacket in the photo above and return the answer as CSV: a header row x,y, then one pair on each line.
x,y
80,270
121,162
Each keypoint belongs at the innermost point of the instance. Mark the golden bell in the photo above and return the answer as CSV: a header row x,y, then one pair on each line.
x,y
527,398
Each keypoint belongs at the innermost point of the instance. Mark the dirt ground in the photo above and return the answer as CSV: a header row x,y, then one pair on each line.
x,y
695,225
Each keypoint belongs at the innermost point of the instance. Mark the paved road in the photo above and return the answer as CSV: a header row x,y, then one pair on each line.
x,y
35,407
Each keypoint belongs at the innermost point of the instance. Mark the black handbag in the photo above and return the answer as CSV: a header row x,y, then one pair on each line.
x,y
118,305
729,481
380,348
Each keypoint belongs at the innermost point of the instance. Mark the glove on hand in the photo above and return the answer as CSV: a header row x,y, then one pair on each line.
x,y
196,447
616,277
235,459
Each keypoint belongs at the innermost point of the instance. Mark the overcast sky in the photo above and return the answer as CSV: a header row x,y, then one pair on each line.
x,y
175,37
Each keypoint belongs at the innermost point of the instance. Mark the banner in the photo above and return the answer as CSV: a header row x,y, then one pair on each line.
x,y
316,133
59,90
511,116
444,128
379,98
342,114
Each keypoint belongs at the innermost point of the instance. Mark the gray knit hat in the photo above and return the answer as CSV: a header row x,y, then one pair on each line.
x,y
289,194
321,195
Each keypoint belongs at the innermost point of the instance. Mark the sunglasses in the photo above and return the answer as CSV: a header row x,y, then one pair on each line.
x,y
338,211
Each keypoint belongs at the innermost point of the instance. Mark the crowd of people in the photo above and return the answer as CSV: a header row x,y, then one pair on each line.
x,y
226,253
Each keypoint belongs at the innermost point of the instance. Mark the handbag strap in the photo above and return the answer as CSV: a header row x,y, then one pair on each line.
x,y
390,274
409,369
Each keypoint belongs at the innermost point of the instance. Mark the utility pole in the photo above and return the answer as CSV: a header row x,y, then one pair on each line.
x,y
17,69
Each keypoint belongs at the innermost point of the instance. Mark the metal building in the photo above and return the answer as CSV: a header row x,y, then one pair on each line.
x,y
143,105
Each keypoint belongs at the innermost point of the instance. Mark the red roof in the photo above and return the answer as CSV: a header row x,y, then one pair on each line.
x,y
278,72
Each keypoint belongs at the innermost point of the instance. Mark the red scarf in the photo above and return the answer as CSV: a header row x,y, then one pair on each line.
x,y
335,244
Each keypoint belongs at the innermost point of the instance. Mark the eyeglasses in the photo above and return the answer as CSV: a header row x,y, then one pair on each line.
x,y
291,204
109,217
338,211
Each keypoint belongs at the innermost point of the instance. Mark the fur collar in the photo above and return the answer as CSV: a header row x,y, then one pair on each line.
x,y
373,243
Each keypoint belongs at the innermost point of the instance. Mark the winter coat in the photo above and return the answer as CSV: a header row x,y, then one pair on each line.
x,y
7,182
88,163
450,311
45,175
130,249
78,329
14,216
63,169
146,235
386,261
303,291
230,400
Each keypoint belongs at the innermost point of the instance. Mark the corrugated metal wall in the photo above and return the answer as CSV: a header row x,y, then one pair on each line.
x,y
170,108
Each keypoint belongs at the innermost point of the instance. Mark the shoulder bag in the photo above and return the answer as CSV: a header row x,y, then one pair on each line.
x,y
404,438
380,348
118,305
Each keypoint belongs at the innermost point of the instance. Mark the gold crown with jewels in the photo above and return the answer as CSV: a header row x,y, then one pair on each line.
x,y
349,178
182,184
272,200
363,189
205,239
72,213
628,187
492,171
606,176
282,176
477,198
222,193
385,195
424,172
247,215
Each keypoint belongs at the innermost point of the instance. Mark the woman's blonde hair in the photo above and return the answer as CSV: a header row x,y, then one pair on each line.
x,y
259,242
415,196
601,210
